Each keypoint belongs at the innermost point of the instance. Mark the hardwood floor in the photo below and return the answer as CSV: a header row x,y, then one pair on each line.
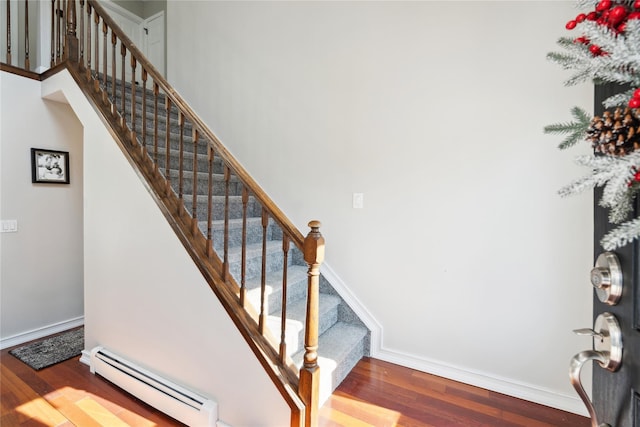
x,y
375,394
382,394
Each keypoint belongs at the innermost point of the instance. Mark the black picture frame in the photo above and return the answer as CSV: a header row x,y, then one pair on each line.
x,y
49,166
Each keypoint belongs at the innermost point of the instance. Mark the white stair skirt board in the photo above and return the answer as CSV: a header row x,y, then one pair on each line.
x,y
172,399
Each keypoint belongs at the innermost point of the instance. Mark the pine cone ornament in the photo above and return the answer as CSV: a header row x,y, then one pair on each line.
x,y
616,133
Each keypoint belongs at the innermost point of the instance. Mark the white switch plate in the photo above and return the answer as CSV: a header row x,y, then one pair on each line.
x,y
358,200
9,225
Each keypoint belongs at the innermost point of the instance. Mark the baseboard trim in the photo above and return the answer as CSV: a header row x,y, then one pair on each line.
x,y
86,357
506,386
40,332
359,309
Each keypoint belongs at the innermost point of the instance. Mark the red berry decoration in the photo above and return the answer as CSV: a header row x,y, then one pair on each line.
x,y
637,176
595,50
636,4
617,14
603,5
634,103
634,15
636,93
581,17
592,16
570,25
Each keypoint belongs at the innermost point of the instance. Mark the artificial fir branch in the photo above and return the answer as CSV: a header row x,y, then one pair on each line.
x,y
576,130
599,177
622,235
619,61
618,99
621,211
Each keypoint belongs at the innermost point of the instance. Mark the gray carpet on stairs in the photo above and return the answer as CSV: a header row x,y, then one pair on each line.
x,y
344,338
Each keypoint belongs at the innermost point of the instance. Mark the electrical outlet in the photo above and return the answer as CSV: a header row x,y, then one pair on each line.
x,y
358,200
9,225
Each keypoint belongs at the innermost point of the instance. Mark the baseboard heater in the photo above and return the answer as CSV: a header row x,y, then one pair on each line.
x,y
172,399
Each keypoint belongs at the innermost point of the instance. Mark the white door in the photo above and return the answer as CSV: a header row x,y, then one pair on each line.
x,y
131,26
153,41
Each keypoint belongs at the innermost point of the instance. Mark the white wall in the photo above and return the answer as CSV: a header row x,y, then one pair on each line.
x,y
463,252
144,297
41,274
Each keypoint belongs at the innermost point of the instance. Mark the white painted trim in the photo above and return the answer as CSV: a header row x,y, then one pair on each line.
x,y
113,7
86,357
40,332
154,16
352,301
491,382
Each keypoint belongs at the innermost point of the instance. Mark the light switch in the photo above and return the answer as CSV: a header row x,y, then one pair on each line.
x,y
358,200
9,225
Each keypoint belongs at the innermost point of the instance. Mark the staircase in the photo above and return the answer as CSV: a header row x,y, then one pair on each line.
x,y
264,272
343,338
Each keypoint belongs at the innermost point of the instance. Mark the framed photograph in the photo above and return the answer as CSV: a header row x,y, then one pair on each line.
x,y
49,166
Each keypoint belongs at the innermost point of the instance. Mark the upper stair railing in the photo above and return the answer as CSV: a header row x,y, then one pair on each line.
x,y
191,180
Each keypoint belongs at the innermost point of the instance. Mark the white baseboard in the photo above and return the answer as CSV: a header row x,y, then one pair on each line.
x,y
86,357
40,332
506,386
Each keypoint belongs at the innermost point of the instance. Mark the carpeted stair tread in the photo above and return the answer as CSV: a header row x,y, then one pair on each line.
x,y
254,250
296,286
296,319
339,349
335,343
254,231
202,183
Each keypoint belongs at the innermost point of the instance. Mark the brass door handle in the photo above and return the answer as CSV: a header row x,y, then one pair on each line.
x,y
607,344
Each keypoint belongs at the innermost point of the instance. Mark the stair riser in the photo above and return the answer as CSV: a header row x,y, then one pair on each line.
x,y
235,207
295,337
219,185
174,142
150,115
187,161
128,96
349,362
162,126
253,234
150,104
253,268
296,290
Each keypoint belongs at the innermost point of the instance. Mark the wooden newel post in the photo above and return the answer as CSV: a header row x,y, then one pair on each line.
x,y
309,386
71,42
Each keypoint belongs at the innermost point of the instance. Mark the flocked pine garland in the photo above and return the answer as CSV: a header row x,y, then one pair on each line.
x,y
606,50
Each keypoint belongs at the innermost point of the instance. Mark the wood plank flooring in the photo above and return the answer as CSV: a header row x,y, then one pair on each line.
x,y
382,394
376,393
